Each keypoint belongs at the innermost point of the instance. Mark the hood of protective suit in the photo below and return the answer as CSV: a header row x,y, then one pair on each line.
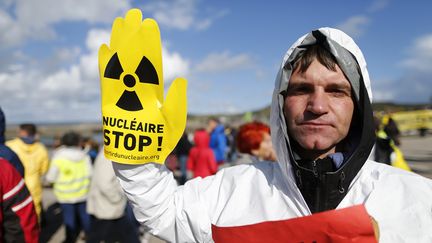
x,y
361,138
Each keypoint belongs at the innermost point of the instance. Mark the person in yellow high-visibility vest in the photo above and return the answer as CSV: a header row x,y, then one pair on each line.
x,y
70,173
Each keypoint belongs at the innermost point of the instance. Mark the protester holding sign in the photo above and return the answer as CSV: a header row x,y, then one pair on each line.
x,y
321,128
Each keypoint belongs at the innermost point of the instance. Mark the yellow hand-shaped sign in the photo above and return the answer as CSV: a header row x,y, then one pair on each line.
x,y
139,126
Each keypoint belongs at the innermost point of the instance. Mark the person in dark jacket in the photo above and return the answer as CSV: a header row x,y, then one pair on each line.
x,y
5,151
182,152
18,219
392,130
382,149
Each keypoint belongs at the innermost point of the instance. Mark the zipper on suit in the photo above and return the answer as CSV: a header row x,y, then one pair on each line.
x,y
318,189
314,169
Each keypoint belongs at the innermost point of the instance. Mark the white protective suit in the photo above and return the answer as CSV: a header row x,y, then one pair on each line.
x,y
401,202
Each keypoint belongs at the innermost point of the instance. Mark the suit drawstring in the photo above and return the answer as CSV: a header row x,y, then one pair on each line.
x,y
341,179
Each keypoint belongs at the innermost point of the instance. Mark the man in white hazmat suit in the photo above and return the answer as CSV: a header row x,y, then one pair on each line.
x,y
322,130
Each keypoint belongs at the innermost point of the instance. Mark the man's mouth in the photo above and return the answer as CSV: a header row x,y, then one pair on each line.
x,y
315,124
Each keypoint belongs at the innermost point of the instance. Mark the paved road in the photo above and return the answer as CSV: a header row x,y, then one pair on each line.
x,y
53,230
417,152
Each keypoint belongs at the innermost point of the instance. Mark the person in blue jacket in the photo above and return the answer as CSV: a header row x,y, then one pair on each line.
x,y
218,140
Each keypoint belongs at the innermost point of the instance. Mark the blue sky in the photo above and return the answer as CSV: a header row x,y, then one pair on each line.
x,y
228,50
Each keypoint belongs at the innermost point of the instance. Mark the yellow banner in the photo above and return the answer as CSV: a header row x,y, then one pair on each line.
x,y
413,120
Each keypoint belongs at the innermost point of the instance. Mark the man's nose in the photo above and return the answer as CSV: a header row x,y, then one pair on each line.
x,y
318,102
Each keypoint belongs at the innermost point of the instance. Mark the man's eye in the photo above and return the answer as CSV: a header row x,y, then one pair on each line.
x,y
339,92
299,90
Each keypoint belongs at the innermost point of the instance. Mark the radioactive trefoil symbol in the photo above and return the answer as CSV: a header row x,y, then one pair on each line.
x,y
145,72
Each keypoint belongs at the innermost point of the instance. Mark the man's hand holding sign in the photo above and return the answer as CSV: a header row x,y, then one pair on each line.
x,y
139,126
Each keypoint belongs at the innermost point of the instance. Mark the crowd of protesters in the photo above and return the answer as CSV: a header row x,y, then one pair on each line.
x,y
206,150
93,206
92,203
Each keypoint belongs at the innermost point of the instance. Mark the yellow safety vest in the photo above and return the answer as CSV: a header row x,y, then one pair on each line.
x,y
73,181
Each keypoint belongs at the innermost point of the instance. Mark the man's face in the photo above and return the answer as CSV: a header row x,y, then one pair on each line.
x,y
318,109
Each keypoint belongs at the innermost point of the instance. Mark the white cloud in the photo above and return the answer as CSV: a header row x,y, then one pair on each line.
x,y
378,5
66,94
420,55
6,3
413,84
383,95
82,76
180,14
65,54
174,65
69,80
229,109
382,90
355,25
97,37
89,63
223,61
16,32
411,87
12,82
11,60
200,105
62,94
35,19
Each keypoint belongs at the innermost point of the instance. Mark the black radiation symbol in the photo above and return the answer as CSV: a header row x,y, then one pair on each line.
x,y
146,73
